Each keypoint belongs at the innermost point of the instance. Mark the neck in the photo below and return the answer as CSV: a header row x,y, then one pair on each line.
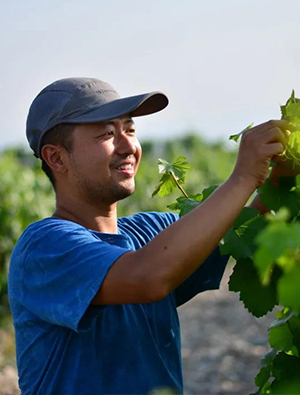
x,y
102,219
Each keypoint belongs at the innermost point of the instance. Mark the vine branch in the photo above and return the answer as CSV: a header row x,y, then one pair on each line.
x,y
178,185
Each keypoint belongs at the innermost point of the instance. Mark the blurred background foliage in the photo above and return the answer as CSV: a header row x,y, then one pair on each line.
x,y
211,163
26,194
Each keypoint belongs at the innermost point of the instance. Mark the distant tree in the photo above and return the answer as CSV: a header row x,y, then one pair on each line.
x,y
25,196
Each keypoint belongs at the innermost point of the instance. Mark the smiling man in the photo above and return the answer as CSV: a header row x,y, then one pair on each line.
x,y
101,168
94,297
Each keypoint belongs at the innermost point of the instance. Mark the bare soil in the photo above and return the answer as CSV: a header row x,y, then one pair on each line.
x,y
222,345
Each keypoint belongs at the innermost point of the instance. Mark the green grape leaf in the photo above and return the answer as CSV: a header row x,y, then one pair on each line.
x,y
287,321
208,191
291,113
280,337
185,205
283,318
177,170
166,186
269,358
239,240
282,214
294,324
297,181
284,107
268,195
264,263
285,387
289,289
258,299
278,242
235,246
247,216
235,137
291,110
262,377
286,195
286,367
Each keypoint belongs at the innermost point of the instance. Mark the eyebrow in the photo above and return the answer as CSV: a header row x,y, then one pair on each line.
x,y
113,121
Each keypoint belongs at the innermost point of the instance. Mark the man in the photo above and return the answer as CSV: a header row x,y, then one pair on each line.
x,y
94,298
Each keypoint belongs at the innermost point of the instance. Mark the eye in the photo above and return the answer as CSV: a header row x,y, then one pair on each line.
x,y
107,134
110,133
131,131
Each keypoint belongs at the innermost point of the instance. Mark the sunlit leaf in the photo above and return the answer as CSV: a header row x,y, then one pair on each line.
x,y
185,205
236,137
258,299
172,173
239,240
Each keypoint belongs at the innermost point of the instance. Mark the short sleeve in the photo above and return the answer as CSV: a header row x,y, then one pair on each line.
x,y
207,277
143,227
63,266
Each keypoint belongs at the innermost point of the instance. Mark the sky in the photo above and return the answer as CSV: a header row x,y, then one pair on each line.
x,y
223,64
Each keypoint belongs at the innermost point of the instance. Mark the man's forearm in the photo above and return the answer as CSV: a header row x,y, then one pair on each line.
x,y
183,246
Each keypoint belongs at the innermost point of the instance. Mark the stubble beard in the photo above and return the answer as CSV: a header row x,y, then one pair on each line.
x,y
97,194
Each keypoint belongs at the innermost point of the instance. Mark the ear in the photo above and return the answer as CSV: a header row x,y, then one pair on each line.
x,y
54,156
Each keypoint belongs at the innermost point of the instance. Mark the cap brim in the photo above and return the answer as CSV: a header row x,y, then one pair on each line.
x,y
134,106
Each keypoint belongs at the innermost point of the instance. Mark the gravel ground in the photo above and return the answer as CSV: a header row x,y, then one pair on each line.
x,y
222,345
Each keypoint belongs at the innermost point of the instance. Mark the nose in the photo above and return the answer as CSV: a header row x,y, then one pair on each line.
x,y
126,144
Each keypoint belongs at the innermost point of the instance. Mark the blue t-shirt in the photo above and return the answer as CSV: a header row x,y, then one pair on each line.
x,y
65,346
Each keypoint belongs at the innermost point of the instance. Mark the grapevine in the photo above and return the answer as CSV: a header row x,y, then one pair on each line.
x,y
267,254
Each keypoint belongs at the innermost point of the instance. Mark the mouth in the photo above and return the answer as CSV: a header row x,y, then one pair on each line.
x,y
126,169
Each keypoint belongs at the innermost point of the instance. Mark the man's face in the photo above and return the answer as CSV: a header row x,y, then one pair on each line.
x,y
104,160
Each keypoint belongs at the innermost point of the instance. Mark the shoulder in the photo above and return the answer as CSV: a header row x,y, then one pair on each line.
x,y
51,227
152,219
47,234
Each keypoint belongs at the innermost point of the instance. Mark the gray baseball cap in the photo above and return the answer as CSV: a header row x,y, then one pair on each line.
x,y
83,100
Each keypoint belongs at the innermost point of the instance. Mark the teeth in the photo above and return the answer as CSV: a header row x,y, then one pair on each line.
x,y
125,167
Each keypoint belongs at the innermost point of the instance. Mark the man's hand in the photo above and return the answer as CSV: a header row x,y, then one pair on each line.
x,y
284,167
258,147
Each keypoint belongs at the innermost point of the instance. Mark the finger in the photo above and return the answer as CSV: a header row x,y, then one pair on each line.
x,y
273,149
284,125
273,136
263,127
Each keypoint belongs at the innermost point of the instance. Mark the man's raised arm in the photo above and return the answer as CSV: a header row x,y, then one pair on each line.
x,y
152,272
